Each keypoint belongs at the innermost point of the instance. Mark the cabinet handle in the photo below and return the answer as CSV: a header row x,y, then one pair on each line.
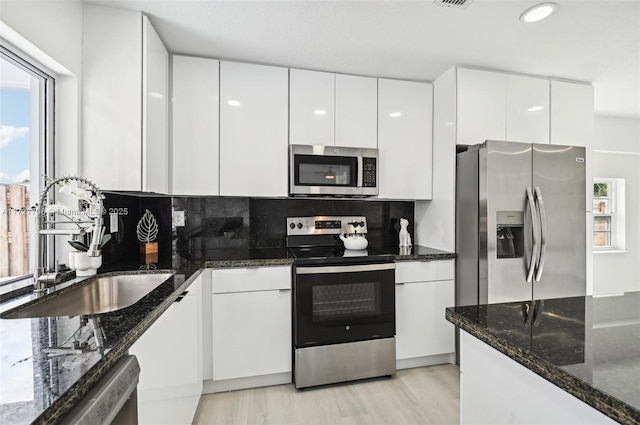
x,y
285,290
181,297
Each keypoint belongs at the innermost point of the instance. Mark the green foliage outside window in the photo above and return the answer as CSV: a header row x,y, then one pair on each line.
x,y
600,190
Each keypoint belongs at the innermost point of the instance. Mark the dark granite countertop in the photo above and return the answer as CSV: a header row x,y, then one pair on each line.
x,y
250,257
258,257
417,253
37,389
589,347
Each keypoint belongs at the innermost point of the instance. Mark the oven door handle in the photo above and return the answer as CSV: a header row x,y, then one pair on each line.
x,y
345,269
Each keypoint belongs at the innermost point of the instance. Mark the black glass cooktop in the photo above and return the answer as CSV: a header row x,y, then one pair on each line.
x,y
333,254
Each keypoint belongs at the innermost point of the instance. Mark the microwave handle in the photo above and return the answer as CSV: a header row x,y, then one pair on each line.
x,y
360,172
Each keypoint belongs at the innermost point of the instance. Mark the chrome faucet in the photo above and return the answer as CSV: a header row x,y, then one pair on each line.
x,y
40,274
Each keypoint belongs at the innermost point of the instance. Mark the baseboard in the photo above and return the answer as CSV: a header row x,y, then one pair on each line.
x,y
211,386
425,361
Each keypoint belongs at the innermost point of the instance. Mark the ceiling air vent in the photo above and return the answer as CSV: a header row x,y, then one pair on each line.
x,y
457,4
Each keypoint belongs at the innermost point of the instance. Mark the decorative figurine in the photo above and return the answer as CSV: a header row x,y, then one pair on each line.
x,y
147,230
405,237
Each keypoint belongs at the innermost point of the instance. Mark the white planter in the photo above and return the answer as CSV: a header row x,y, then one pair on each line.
x,y
83,264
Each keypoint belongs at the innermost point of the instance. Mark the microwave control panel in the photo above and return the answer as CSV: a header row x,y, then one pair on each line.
x,y
368,172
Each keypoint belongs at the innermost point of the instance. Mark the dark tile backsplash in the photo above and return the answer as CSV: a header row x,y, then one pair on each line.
x,y
124,246
226,222
268,217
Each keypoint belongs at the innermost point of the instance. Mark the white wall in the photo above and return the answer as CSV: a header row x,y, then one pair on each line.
x,y
50,32
617,155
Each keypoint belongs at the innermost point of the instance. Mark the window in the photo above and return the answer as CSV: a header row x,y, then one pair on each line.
x,y
26,149
608,214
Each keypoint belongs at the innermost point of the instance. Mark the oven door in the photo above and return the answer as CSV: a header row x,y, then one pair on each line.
x,y
343,303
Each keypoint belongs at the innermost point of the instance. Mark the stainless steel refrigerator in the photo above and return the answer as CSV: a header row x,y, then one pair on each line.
x,y
520,223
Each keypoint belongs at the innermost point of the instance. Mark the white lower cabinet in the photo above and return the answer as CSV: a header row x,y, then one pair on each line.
x,y
251,327
424,289
170,357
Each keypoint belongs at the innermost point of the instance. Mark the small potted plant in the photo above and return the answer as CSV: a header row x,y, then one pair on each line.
x,y
79,261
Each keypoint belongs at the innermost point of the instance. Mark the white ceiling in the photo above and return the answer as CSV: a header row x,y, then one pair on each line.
x,y
594,40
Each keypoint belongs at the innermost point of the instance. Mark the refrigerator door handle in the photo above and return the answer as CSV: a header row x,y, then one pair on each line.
x,y
534,223
543,234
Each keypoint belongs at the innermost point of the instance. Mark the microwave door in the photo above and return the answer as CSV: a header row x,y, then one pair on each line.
x,y
324,175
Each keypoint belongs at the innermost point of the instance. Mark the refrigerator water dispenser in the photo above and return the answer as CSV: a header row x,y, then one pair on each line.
x,y
510,234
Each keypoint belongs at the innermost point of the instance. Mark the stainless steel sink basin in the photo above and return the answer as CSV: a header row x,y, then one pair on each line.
x,y
101,294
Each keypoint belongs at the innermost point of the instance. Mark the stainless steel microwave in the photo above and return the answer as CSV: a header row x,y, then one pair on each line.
x,y
332,171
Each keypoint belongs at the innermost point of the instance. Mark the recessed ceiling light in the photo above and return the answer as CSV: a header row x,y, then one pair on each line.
x,y
538,12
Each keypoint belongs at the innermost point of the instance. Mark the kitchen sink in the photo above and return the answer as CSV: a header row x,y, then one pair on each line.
x,y
100,294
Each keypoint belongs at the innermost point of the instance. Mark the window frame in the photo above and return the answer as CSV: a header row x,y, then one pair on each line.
x,y
611,198
45,146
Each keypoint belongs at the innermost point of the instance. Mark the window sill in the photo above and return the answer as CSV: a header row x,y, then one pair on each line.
x,y
610,251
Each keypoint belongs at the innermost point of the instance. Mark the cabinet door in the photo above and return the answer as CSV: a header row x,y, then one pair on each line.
x,y
405,139
112,102
421,328
155,111
356,111
170,357
251,334
253,130
195,125
311,107
481,106
527,109
571,114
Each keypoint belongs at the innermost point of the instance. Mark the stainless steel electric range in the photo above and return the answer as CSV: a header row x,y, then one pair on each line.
x,y
343,304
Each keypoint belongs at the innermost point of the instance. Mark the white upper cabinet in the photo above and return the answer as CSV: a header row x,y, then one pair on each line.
x,y
332,109
527,109
195,140
405,139
254,102
498,106
494,105
571,113
125,101
311,107
112,104
356,111
481,105
155,107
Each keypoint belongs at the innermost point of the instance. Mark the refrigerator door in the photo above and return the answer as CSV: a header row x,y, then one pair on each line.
x,y
505,222
467,228
559,181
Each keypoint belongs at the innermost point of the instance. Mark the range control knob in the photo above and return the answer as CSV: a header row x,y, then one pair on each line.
x,y
362,224
292,225
299,225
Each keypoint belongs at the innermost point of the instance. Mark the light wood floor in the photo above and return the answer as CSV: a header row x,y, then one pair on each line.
x,y
427,395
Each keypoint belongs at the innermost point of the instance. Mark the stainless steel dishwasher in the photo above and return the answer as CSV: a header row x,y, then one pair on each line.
x,y
113,400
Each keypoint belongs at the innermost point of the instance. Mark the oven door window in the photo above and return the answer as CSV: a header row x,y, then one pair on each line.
x,y
331,308
341,302
319,170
